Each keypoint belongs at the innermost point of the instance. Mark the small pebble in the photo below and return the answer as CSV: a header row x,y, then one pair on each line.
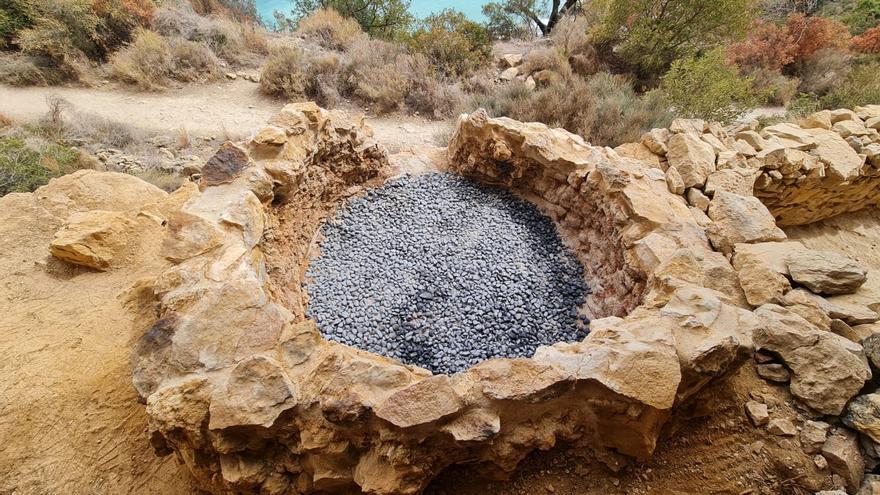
x,y
441,272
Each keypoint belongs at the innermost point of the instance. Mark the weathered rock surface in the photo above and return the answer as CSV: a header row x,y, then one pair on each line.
x,y
827,369
93,239
843,455
740,219
825,272
692,157
863,414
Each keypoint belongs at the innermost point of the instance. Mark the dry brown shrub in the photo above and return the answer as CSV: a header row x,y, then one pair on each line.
x,y
166,182
193,61
5,121
824,70
780,89
543,59
146,62
428,94
282,75
330,29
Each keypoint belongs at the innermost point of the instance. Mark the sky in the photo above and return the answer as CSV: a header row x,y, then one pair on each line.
x,y
420,8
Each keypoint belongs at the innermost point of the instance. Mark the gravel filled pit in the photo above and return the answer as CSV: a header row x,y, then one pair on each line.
x,y
441,272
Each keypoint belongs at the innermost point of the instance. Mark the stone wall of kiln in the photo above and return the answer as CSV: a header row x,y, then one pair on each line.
x,y
252,399
827,164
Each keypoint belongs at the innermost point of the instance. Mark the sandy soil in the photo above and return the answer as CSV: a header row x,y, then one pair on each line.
x,y
233,108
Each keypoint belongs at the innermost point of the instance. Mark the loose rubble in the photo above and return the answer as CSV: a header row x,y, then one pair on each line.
x,y
466,273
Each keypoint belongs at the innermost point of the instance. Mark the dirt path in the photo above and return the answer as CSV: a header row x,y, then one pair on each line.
x,y
234,108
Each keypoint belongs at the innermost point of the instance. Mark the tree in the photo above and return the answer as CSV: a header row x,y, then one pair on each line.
x,y
651,34
502,25
456,45
382,18
544,14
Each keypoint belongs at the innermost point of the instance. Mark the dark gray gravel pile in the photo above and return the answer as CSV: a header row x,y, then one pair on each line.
x,y
443,273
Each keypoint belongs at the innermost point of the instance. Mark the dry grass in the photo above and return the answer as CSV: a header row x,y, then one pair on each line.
x,y
330,29
282,74
602,108
182,139
5,121
193,61
146,62
24,70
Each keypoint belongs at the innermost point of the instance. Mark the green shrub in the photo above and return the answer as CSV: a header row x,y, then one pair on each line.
x,y
15,15
861,87
20,169
457,46
651,35
706,87
23,169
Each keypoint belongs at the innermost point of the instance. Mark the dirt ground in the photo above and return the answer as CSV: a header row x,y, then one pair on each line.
x,y
225,108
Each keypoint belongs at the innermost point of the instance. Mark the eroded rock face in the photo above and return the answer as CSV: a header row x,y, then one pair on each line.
x,y
827,370
253,400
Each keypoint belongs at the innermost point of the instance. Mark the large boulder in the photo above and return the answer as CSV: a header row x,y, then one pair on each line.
x,y
740,219
827,370
826,272
93,239
692,157
863,414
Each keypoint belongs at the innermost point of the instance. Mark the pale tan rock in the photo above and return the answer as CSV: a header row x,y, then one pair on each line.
x,y
426,401
782,427
873,123
752,138
789,136
842,452
510,60
818,120
519,379
530,83
826,272
848,128
843,114
271,135
509,74
691,157
740,219
757,412
656,140
867,111
674,181
822,464
789,161
714,142
257,392
94,239
813,436
863,414
744,148
760,282
826,388
638,151
731,159
694,126
734,180
841,161
774,372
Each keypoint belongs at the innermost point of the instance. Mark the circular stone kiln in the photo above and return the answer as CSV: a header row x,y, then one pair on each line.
x,y
441,272
243,388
